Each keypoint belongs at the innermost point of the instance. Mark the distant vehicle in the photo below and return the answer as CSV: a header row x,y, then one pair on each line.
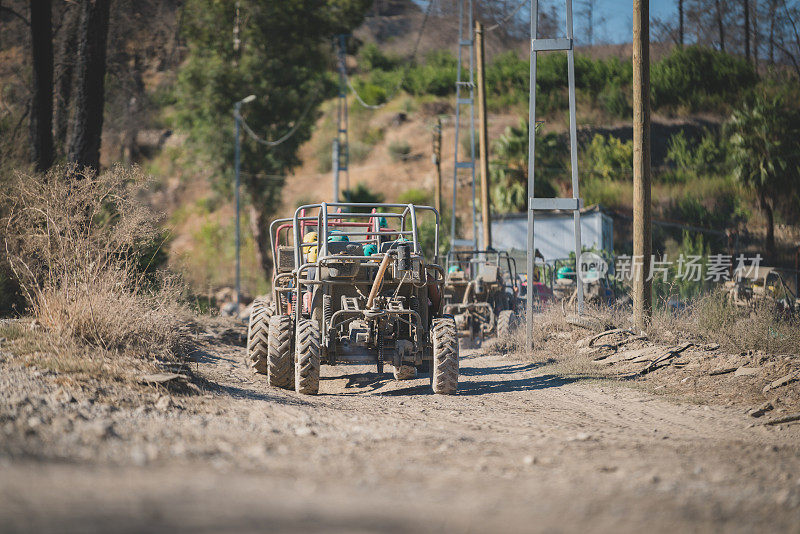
x,y
482,292
754,286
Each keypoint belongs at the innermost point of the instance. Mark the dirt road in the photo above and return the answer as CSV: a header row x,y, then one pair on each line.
x,y
518,450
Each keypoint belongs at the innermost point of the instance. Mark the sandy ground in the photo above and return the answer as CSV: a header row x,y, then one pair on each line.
x,y
519,449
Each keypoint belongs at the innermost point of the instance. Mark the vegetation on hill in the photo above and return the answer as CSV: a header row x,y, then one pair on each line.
x,y
688,79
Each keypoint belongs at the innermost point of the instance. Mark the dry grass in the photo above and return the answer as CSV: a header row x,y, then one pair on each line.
x,y
75,241
712,318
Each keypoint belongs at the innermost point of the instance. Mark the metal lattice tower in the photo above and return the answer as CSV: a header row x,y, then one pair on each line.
x,y
573,204
465,27
342,149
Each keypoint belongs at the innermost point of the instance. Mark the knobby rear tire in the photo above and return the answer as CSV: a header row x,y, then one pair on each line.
x,y
445,356
258,336
307,357
506,323
280,356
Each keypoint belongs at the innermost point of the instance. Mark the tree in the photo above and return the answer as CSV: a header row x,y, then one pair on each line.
x,y
285,59
508,173
720,23
765,143
87,129
66,41
41,123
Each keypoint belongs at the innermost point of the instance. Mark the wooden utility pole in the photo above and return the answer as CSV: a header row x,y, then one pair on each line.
x,y
482,135
437,162
642,236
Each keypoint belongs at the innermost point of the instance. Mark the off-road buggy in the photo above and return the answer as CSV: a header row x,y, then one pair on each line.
x,y
754,286
482,293
359,292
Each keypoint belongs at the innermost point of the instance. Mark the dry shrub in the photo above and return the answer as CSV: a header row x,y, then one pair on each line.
x,y
75,241
713,318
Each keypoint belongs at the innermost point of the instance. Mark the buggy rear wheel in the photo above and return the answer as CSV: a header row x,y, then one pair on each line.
x,y
444,375
280,356
307,357
507,321
258,336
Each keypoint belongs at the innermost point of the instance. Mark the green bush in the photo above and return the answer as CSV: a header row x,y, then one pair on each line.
x,y
370,57
362,193
435,77
386,80
615,101
370,93
608,193
399,150
700,78
608,158
688,161
373,136
507,80
416,196
677,285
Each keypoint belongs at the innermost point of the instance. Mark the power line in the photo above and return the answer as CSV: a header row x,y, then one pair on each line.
x,y
409,61
507,17
255,137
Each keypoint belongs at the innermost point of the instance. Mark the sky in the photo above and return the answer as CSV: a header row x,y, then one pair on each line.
x,y
613,18
619,15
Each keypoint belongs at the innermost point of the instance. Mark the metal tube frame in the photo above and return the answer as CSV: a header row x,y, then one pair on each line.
x,y
575,203
470,101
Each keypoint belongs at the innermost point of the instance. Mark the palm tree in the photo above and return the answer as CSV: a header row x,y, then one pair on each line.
x,y
764,151
509,171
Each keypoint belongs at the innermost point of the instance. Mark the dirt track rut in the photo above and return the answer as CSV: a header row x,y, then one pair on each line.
x,y
518,449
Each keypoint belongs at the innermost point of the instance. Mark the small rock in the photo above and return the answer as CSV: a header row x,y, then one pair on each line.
x,y
723,371
761,410
34,422
782,381
161,378
747,371
164,403
257,452
228,309
529,460
65,397
103,429
581,436
302,431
